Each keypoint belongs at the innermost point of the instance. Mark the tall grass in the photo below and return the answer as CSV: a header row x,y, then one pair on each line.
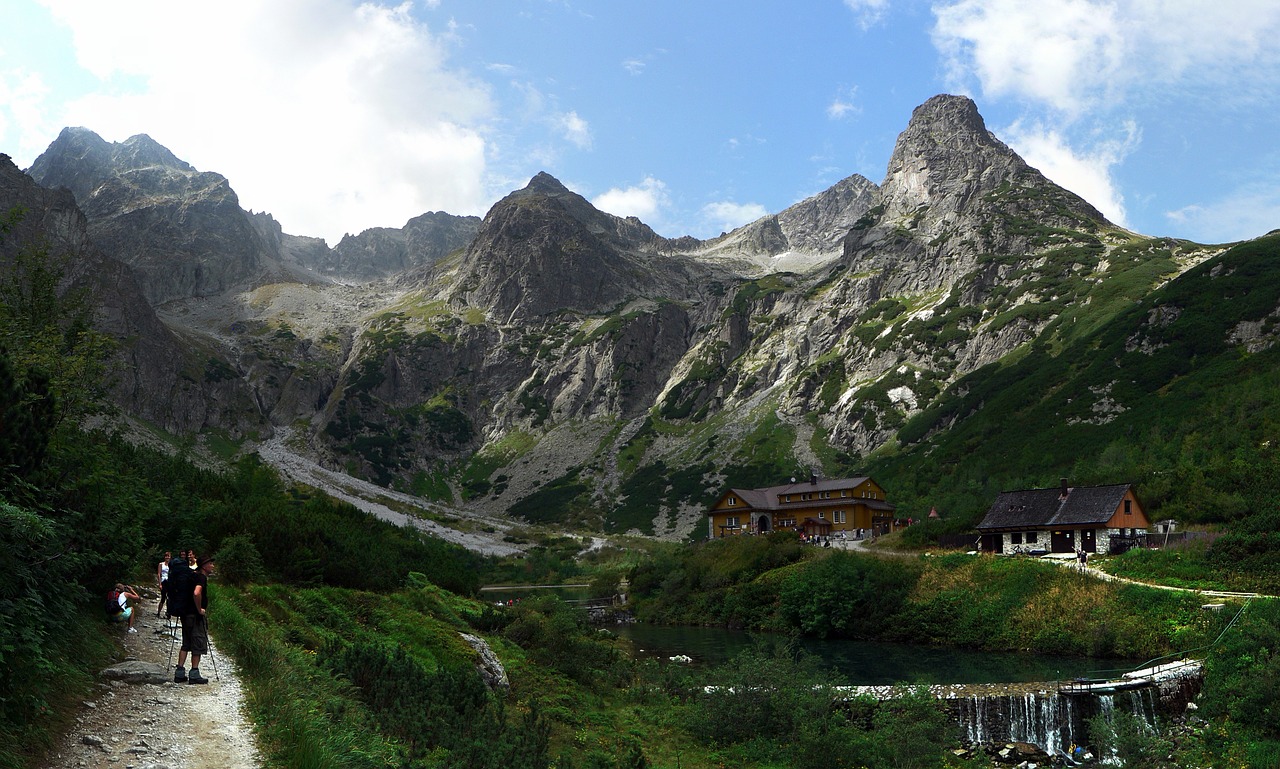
x,y
304,718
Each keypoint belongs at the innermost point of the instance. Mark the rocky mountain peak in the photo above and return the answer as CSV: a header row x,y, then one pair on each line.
x,y
945,153
182,230
142,151
947,165
546,184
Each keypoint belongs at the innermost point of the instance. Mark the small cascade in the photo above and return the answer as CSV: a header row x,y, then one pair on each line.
x,y
1051,721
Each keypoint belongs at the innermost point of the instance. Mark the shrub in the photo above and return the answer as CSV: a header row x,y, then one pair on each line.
x,y
239,561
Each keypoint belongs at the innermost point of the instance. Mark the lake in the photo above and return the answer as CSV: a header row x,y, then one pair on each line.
x,y
868,663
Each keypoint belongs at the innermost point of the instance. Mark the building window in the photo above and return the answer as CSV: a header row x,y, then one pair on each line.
x,y
822,516
1015,538
731,522
788,498
1031,537
838,517
1128,507
733,501
844,492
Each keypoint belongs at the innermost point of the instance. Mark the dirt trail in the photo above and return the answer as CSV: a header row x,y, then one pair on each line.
x,y
161,726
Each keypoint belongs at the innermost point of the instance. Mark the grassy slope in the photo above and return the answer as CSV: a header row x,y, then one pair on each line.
x,y
1197,412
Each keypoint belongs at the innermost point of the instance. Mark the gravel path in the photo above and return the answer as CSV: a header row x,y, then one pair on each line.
x,y
161,725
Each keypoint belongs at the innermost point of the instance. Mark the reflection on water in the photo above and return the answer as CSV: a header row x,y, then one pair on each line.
x,y
867,663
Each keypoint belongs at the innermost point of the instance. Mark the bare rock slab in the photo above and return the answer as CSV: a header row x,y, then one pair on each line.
x,y
137,672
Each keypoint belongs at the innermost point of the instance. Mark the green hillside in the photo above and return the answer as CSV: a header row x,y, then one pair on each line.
x,y
1169,395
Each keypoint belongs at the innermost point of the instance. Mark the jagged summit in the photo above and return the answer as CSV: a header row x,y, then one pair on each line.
x,y
79,159
546,184
182,230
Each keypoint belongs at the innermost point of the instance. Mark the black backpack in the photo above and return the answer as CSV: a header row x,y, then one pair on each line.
x,y
113,603
181,585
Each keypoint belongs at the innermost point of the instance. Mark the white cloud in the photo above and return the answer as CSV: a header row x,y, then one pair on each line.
x,y
1086,172
645,201
23,110
726,215
333,115
1074,55
868,11
1060,52
843,104
634,66
1248,212
575,129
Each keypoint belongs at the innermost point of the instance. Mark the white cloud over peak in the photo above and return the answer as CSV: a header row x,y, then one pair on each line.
x,y
575,129
646,201
1086,172
843,104
1075,55
283,97
727,215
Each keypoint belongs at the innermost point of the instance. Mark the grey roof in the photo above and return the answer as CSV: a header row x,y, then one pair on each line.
x,y
1042,508
771,498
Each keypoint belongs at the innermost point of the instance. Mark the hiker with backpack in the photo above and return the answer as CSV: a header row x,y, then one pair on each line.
x,y
118,608
189,600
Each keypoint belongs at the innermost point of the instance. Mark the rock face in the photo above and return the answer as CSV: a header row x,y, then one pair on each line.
x,y
182,231
816,225
158,376
490,667
564,364
544,249
384,252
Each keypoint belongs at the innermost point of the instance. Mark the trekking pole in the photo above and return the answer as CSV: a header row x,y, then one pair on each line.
x,y
169,624
214,660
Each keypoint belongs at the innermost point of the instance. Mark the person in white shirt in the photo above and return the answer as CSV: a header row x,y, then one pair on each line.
x,y
124,595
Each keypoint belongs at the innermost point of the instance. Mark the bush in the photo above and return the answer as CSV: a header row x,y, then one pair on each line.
x,y
239,561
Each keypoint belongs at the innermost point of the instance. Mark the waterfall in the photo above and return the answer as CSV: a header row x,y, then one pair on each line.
x,y
1051,721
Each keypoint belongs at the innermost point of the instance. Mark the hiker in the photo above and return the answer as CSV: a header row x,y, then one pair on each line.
x,y
118,608
162,579
195,627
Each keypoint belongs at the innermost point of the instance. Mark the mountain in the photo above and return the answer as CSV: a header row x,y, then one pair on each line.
x,y
383,252
544,249
158,377
562,364
182,230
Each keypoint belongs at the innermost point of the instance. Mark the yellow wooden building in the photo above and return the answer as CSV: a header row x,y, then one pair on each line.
x,y
816,507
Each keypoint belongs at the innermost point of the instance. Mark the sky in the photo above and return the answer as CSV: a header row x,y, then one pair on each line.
x,y
696,117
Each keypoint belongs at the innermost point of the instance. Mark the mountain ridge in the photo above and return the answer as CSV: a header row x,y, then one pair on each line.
x,y
568,365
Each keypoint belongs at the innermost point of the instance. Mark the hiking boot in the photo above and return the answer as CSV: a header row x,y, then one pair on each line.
x,y
196,678
179,675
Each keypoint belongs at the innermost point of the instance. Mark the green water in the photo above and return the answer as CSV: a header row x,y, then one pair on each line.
x,y
867,663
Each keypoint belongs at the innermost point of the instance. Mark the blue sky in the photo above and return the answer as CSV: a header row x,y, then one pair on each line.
x,y
336,115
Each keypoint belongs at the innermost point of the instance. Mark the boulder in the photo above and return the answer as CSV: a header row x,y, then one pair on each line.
x,y
137,672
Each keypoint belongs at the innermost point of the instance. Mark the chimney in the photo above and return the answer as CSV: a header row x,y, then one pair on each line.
x,y
813,478
1064,488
